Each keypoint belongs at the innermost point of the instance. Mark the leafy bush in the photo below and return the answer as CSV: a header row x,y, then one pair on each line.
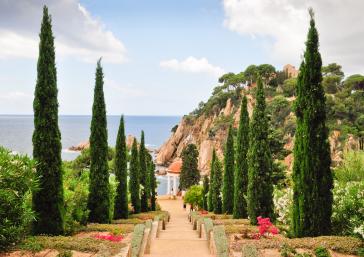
x,y
208,226
289,87
76,186
194,196
17,181
348,209
282,200
250,251
351,168
279,108
322,252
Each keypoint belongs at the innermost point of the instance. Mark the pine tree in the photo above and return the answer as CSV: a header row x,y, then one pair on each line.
x,y
217,185
98,199
144,175
206,186
190,175
260,185
212,172
153,183
134,182
48,202
312,197
241,171
228,188
121,174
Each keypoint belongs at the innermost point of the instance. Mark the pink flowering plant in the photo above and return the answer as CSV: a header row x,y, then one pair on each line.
x,y
110,237
266,228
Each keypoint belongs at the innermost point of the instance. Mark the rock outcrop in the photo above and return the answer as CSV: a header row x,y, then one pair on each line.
x,y
81,146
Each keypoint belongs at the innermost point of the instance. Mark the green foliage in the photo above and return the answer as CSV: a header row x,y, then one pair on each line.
x,y
174,129
331,84
229,164
360,252
134,178
289,87
66,253
98,200
153,182
210,201
278,109
121,172
48,202
209,225
354,82
322,252
221,241
241,170
332,69
260,186
194,196
348,214
206,186
312,196
83,161
17,180
190,175
351,168
76,190
144,175
250,251
217,184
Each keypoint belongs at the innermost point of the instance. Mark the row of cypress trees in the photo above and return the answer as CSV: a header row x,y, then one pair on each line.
x,y
48,201
248,191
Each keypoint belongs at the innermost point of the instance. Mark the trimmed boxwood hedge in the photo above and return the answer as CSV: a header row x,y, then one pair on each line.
x,y
209,225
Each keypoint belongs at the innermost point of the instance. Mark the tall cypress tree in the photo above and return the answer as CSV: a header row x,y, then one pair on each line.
x,y
260,184
134,175
212,172
48,202
190,175
153,183
144,175
217,185
228,188
241,171
121,174
98,199
206,186
312,197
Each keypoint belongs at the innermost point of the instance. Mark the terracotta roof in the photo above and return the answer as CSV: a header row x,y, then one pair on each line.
x,y
175,167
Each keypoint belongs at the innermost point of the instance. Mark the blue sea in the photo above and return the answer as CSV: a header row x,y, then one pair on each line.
x,y
16,132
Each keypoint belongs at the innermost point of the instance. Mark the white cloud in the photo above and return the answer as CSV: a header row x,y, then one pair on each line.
x,y
77,33
15,95
194,65
284,24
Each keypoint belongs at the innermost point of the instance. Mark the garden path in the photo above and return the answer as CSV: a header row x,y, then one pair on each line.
x,y
179,239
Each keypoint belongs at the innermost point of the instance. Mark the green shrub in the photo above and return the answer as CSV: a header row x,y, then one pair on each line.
x,y
209,225
194,196
289,87
322,252
137,239
17,181
66,253
250,251
221,242
351,168
360,252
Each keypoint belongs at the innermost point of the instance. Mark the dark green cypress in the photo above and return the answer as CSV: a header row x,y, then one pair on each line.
x,y
312,197
190,175
217,185
228,188
153,183
98,199
48,202
121,174
134,182
241,171
260,184
144,175
212,172
206,186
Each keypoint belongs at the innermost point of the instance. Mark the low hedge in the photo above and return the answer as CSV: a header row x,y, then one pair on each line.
x,y
208,227
137,239
249,251
221,241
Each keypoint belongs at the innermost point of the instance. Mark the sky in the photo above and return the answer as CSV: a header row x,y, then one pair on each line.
x,y
163,57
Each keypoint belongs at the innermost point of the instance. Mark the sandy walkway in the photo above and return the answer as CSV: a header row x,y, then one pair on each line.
x,y
178,240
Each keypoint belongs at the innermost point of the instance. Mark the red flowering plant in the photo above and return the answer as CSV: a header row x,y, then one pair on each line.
x,y
112,238
266,228
202,212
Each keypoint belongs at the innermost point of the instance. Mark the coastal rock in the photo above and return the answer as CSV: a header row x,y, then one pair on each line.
x,y
81,146
129,141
